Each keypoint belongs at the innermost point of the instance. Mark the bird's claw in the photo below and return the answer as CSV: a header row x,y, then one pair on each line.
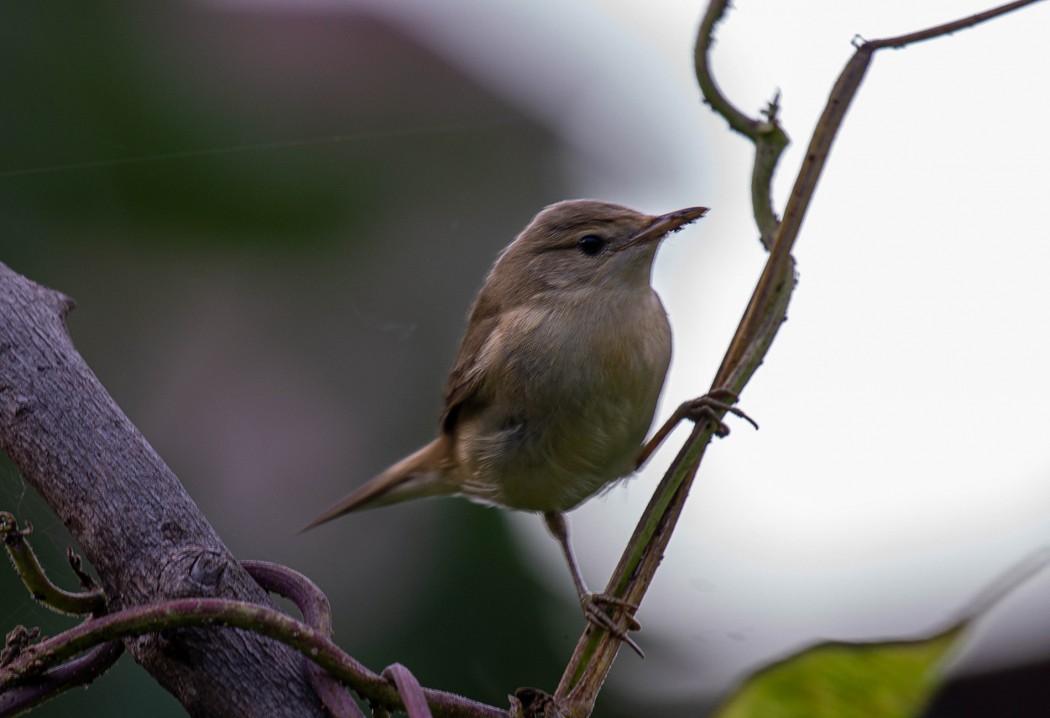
x,y
593,608
708,406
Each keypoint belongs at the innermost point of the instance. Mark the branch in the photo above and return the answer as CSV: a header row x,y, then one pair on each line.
x,y
78,672
133,520
949,28
768,136
195,612
30,674
765,312
310,642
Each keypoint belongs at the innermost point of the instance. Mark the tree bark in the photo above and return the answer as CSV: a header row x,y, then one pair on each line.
x,y
134,521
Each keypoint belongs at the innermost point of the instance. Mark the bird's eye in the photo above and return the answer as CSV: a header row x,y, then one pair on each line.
x,y
591,244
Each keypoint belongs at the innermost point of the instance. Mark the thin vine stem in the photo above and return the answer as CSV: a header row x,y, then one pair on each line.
x,y
226,613
765,312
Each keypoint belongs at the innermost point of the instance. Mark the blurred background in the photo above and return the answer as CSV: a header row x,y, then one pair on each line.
x,y
273,216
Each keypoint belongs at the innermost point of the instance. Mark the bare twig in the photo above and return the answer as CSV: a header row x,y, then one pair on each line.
x,y
30,673
258,619
949,27
765,313
768,136
77,672
34,578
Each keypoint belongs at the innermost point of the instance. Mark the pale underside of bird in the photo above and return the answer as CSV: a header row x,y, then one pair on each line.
x,y
557,377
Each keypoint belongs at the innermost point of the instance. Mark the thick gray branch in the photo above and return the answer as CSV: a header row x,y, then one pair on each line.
x,y
133,519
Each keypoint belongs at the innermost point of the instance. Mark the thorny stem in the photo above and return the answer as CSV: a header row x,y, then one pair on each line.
x,y
765,313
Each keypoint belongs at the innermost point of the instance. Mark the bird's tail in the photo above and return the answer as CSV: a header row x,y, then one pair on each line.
x,y
417,475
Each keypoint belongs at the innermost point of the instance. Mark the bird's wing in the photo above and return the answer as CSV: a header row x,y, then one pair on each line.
x,y
468,370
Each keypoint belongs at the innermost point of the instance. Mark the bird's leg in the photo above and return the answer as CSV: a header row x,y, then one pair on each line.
x,y
592,603
704,408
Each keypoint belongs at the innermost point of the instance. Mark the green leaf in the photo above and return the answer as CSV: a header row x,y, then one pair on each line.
x,y
832,680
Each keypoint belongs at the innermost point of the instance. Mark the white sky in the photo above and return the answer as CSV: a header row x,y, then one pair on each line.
x,y
902,462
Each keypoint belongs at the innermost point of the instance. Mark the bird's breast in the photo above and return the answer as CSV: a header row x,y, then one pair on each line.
x,y
569,398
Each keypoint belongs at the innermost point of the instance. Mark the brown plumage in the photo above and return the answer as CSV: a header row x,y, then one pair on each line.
x,y
558,374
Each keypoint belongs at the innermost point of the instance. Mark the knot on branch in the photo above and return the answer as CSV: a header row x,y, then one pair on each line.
x,y
194,571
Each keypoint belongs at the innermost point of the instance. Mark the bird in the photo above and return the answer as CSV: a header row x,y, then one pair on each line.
x,y
557,378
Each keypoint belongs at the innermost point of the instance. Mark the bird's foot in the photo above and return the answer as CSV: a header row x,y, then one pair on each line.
x,y
595,609
708,406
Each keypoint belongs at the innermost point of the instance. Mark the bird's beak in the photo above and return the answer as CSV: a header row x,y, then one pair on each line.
x,y
664,224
